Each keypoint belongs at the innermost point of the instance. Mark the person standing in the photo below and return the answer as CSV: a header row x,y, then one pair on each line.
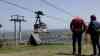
x,y
92,30
77,27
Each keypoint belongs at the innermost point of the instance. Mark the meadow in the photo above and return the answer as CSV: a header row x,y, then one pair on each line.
x,y
44,50
56,44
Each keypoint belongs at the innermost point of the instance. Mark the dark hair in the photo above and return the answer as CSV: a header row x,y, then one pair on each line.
x,y
93,17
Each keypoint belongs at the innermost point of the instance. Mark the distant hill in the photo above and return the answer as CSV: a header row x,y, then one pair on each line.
x,y
55,34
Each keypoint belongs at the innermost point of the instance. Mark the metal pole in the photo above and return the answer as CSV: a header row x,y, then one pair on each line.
x,y
20,30
15,32
66,26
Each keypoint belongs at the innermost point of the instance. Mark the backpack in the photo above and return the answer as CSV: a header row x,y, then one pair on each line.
x,y
97,26
92,27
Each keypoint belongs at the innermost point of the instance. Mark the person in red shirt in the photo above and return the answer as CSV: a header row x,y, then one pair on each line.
x,y
77,27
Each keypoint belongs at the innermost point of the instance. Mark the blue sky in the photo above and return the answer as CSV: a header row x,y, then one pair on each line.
x,y
58,20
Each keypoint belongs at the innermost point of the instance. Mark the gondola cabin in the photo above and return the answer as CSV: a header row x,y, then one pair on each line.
x,y
42,27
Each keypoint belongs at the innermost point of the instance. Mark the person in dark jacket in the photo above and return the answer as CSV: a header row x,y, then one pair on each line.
x,y
77,27
92,30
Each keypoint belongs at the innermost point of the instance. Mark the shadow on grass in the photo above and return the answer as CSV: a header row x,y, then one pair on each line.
x,y
71,54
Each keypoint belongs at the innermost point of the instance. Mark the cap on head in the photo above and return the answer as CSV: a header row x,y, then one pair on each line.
x,y
93,17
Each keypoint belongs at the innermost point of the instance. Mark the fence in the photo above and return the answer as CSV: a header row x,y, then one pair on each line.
x,y
50,37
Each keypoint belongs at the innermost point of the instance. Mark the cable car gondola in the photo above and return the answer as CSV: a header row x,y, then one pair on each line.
x,y
42,27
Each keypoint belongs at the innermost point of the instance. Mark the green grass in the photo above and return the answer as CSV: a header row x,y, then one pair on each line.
x,y
43,50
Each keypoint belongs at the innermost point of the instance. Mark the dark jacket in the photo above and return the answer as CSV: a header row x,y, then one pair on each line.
x,y
93,27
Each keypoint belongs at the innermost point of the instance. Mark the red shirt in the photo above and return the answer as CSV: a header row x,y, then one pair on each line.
x,y
77,25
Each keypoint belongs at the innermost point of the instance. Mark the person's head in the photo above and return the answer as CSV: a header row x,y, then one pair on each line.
x,y
77,17
93,17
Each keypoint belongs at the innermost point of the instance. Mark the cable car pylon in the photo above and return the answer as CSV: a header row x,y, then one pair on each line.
x,y
38,27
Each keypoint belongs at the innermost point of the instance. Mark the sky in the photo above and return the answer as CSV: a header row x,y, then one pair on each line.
x,y
54,18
